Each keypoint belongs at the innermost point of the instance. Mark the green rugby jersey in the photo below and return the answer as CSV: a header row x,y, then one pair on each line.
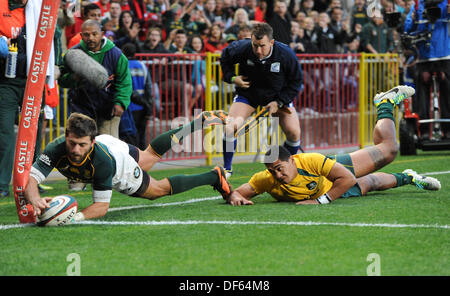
x,y
98,168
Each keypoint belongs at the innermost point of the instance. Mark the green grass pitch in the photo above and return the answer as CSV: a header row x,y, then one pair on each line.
x,y
403,231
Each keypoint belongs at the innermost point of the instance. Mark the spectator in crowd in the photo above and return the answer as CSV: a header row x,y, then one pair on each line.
x,y
105,105
351,45
196,45
299,43
336,15
310,32
65,19
245,32
90,12
293,7
176,82
198,71
153,44
376,36
113,15
124,4
315,16
321,5
336,4
224,12
128,31
328,38
260,11
139,10
307,6
327,43
251,6
215,42
347,6
210,11
279,19
300,16
104,5
295,43
359,14
350,35
350,77
133,130
178,16
240,17
178,42
340,26
157,6
144,17
198,23
75,28
240,4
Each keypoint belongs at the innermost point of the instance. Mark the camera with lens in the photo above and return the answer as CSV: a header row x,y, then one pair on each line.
x,y
430,14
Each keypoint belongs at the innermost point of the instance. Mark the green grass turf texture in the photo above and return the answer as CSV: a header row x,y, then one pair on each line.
x,y
206,249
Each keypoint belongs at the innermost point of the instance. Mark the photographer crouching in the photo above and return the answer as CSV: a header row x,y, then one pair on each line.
x,y
427,28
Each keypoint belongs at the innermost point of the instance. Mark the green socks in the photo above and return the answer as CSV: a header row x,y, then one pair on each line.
x,y
402,179
181,183
162,143
385,110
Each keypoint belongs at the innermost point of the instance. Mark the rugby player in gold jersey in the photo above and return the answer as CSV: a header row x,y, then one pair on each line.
x,y
313,178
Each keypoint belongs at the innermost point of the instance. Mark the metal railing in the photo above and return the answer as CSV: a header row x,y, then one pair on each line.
x,y
334,107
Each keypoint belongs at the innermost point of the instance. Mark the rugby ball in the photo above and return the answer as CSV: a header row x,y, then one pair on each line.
x,y
62,210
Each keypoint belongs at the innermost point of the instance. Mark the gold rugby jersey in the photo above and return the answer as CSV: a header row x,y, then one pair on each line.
x,y
310,182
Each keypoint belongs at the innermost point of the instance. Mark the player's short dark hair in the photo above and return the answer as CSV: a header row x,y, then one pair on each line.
x,y
81,126
262,29
282,154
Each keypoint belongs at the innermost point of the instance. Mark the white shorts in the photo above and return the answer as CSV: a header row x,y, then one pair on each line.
x,y
129,175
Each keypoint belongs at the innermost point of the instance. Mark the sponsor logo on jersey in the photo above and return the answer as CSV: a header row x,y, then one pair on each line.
x,y
137,172
312,185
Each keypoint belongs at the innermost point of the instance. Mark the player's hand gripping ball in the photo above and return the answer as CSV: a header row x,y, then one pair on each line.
x,y
61,212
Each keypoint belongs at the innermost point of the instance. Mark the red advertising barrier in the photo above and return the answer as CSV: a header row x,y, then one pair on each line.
x,y
26,137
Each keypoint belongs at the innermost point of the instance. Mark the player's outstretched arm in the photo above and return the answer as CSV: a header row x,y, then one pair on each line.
x,y
95,210
342,180
242,195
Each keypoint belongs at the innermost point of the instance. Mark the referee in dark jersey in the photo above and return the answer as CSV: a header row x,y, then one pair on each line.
x,y
269,75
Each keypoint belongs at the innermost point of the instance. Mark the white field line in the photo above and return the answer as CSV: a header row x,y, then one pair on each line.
x,y
298,223
436,173
216,222
295,223
165,204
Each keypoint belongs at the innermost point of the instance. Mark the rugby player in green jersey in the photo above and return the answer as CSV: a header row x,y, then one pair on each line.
x,y
109,163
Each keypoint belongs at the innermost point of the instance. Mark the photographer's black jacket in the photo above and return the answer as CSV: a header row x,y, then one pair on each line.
x,y
276,78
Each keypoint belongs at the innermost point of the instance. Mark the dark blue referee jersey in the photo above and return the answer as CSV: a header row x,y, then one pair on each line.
x,y
275,78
